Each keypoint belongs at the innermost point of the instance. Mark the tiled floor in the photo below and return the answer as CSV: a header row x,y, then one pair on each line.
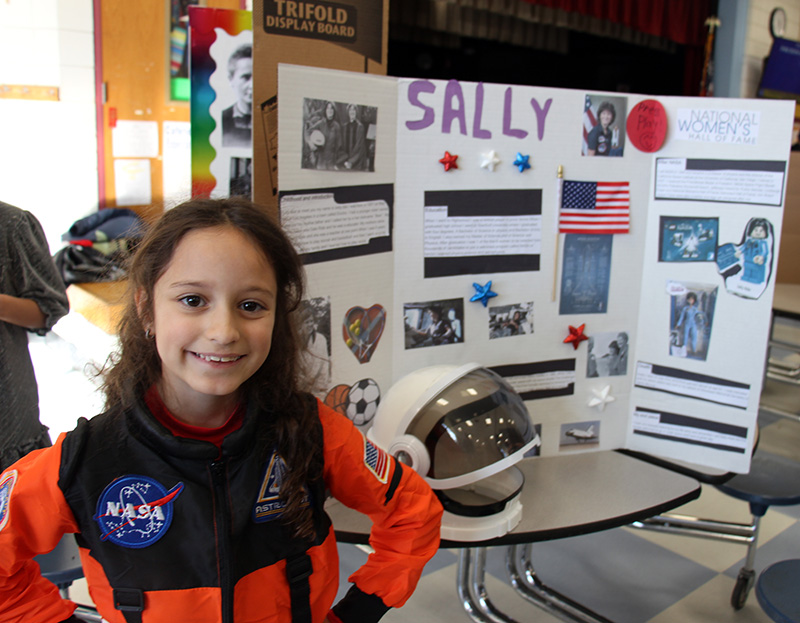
x,y
626,575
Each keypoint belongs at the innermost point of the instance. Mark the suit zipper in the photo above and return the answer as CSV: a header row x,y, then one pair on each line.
x,y
222,519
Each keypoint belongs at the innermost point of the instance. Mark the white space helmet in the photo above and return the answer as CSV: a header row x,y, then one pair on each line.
x,y
462,428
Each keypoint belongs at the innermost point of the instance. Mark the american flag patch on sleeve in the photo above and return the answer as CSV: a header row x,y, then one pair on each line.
x,y
377,461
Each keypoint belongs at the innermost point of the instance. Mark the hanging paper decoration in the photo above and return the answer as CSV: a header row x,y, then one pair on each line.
x,y
483,293
575,336
449,161
362,330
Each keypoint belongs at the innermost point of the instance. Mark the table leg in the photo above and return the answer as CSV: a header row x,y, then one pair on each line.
x,y
527,583
89,615
472,589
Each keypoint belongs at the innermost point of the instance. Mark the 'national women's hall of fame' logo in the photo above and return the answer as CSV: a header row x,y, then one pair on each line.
x,y
135,511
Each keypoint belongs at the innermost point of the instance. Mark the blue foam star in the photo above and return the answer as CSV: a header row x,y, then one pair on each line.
x,y
483,293
521,162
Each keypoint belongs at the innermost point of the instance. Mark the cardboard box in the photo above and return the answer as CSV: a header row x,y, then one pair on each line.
x,y
350,34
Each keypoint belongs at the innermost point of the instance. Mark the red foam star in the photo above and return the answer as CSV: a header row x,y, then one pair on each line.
x,y
449,161
575,336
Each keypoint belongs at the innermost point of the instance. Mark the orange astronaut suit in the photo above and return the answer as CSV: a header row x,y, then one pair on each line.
x,y
177,529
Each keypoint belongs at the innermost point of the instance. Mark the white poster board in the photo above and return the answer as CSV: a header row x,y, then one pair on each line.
x,y
458,202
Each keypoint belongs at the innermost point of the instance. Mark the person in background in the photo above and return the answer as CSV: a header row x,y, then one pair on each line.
x,y
199,494
32,298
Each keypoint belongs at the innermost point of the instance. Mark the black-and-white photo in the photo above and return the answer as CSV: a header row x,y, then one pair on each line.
x,y
316,337
240,182
607,354
338,136
237,119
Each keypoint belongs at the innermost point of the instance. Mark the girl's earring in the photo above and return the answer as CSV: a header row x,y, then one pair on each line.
x,y
148,334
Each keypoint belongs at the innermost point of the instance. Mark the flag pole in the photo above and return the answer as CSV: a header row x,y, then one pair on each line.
x,y
559,189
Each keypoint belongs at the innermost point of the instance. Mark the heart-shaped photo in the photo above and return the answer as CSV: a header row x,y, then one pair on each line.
x,y
362,330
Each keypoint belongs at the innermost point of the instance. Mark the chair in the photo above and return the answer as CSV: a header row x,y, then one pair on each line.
x,y
777,591
62,566
773,480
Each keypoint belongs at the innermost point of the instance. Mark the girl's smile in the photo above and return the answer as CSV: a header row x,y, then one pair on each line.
x,y
213,314
218,358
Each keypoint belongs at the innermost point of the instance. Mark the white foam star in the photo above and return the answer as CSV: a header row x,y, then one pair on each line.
x,y
601,398
490,160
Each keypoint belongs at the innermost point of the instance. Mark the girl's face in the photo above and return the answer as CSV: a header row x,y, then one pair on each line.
x,y
213,315
758,232
605,118
329,111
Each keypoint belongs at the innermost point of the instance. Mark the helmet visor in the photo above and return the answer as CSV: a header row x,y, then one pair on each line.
x,y
472,423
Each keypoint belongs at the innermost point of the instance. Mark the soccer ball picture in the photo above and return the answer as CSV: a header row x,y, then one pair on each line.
x,y
362,401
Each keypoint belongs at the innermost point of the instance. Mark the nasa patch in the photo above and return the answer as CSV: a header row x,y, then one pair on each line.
x,y
7,482
135,511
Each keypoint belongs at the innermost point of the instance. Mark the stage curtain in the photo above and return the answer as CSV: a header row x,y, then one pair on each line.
x,y
681,21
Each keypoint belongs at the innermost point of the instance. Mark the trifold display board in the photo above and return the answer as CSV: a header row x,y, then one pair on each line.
x,y
611,255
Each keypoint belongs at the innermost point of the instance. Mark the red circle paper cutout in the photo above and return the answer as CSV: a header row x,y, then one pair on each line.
x,y
647,125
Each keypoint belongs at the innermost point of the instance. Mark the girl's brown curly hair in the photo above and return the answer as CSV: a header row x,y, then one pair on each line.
x,y
276,386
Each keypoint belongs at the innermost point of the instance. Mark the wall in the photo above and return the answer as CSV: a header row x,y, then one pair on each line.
x,y
757,46
758,40
48,164
51,165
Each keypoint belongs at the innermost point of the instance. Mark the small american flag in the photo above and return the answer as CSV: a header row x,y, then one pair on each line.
x,y
377,461
589,121
594,208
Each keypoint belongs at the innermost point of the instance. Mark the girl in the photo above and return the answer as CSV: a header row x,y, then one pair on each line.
x,y
198,495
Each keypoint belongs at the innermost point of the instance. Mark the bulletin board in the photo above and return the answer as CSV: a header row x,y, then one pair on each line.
x,y
143,139
611,255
